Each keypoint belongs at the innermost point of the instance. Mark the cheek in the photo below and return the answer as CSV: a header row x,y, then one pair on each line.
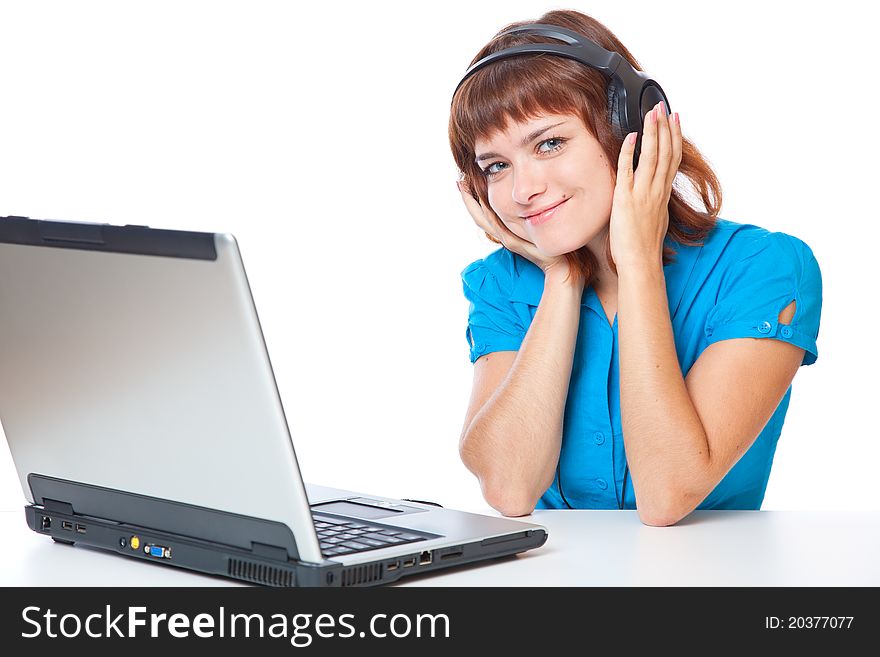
x,y
517,229
498,194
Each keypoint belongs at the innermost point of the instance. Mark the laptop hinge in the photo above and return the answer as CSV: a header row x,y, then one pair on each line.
x,y
269,551
57,507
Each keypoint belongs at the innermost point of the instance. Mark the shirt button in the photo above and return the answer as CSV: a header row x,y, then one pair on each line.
x,y
786,331
765,327
599,437
601,483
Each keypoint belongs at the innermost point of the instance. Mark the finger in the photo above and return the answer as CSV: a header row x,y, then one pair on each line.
x,y
648,157
664,150
486,219
625,160
475,209
675,130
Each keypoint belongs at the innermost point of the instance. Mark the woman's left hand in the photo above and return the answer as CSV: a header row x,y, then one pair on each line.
x,y
640,209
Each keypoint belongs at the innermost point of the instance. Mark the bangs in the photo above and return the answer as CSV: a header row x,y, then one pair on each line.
x,y
518,90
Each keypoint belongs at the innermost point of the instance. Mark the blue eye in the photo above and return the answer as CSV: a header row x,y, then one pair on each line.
x,y
547,141
488,172
491,172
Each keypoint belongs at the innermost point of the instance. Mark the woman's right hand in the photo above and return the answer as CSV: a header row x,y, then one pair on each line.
x,y
486,219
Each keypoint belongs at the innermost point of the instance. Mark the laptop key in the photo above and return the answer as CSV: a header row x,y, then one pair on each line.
x,y
393,540
378,537
355,545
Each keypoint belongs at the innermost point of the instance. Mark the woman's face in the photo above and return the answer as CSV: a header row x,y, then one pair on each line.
x,y
549,162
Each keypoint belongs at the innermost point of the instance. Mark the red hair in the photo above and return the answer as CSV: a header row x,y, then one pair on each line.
x,y
524,87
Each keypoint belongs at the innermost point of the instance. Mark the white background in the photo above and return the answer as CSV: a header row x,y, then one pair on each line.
x,y
316,133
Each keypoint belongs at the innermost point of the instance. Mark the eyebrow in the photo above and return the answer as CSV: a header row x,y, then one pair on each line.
x,y
525,142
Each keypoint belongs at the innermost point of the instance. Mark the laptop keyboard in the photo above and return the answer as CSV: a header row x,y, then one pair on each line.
x,y
343,536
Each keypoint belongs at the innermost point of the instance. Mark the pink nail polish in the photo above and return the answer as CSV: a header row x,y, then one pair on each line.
x,y
677,120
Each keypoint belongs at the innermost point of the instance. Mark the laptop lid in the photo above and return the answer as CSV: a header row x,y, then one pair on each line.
x,y
87,311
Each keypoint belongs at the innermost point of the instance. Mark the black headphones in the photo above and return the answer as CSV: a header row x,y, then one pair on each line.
x,y
631,93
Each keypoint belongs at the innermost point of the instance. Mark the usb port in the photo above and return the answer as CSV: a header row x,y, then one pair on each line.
x,y
66,525
80,528
409,563
394,565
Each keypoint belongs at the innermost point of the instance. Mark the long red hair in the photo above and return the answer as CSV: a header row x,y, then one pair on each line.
x,y
523,87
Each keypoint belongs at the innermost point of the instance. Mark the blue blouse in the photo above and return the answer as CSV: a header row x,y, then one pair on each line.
x,y
732,286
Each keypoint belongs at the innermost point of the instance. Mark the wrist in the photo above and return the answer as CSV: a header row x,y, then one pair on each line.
x,y
641,275
561,275
640,267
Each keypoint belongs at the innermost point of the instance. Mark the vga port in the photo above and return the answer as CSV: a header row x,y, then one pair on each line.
x,y
158,551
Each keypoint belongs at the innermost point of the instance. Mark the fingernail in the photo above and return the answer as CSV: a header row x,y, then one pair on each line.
x,y
677,121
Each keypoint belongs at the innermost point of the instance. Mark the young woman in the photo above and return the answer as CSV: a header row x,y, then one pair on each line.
x,y
620,334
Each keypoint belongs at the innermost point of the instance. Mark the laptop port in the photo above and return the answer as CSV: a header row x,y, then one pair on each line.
x,y
46,523
425,558
394,565
158,551
66,525
80,528
409,563
451,553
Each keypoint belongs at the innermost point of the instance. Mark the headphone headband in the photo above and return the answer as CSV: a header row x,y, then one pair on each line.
x,y
576,47
631,93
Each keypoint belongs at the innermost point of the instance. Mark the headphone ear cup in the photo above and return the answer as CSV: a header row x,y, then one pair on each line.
x,y
614,114
613,95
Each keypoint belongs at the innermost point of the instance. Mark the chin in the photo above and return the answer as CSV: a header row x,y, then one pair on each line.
x,y
553,245
557,247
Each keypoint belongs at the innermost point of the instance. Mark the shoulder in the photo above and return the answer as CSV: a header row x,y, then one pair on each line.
x,y
736,246
500,267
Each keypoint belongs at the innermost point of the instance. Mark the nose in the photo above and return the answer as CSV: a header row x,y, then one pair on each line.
x,y
527,183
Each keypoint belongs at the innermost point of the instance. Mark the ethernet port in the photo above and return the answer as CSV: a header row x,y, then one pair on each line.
x,y
425,558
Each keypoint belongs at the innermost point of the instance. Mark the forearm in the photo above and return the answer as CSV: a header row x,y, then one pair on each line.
x,y
512,445
665,442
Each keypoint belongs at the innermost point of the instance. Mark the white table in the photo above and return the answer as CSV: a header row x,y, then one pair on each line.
x,y
584,548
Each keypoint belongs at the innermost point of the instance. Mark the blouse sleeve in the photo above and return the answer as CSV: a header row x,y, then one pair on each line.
x,y
766,277
493,324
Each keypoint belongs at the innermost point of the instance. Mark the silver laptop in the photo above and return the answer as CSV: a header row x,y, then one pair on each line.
x,y
142,414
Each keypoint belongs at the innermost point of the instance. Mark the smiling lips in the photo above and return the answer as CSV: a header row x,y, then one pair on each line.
x,y
546,215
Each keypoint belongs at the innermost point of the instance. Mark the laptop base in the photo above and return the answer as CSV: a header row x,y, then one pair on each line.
x,y
161,548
